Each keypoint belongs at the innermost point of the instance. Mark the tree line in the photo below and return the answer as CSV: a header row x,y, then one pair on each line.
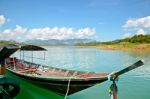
x,y
134,39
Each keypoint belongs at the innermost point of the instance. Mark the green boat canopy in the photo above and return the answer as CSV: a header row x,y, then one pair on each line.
x,y
7,50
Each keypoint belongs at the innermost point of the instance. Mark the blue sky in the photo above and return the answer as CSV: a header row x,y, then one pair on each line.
x,y
103,20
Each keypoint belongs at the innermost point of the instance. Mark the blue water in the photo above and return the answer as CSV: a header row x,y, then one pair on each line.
x,y
132,85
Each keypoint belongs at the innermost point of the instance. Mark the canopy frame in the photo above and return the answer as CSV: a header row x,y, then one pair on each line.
x,y
31,48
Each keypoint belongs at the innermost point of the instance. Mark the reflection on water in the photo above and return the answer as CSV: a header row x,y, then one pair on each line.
x,y
133,85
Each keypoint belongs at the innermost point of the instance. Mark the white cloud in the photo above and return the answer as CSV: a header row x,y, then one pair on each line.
x,y
59,33
13,34
49,33
2,19
85,32
140,32
20,33
139,22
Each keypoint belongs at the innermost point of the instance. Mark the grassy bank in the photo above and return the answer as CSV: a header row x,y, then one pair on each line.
x,y
125,47
135,43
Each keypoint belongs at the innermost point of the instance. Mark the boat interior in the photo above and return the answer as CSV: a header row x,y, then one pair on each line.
x,y
32,69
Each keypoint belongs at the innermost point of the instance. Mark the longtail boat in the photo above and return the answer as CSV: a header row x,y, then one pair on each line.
x,y
61,81
55,79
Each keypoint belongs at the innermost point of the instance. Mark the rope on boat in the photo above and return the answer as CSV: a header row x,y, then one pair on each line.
x,y
67,88
75,73
113,88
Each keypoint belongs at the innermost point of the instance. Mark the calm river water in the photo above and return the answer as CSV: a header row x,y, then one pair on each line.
x,y
132,85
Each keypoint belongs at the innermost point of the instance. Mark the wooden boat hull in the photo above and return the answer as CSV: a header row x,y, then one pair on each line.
x,y
60,85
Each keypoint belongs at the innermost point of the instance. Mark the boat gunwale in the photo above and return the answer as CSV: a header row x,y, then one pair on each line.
x,y
59,78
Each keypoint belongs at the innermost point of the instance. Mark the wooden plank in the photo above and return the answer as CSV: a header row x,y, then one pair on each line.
x,y
129,68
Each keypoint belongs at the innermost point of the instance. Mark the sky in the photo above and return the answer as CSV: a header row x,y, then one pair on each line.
x,y
102,20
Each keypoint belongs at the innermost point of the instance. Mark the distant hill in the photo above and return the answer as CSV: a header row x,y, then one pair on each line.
x,y
55,42
137,39
140,39
133,39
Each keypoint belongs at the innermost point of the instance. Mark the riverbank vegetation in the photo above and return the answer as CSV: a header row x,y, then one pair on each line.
x,y
4,42
137,42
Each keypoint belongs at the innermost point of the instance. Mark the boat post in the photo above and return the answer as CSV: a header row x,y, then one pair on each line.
x,y
113,89
9,87
32,56
7,82
2,68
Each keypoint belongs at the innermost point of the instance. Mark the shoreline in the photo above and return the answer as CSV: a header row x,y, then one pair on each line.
x,y
122,47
